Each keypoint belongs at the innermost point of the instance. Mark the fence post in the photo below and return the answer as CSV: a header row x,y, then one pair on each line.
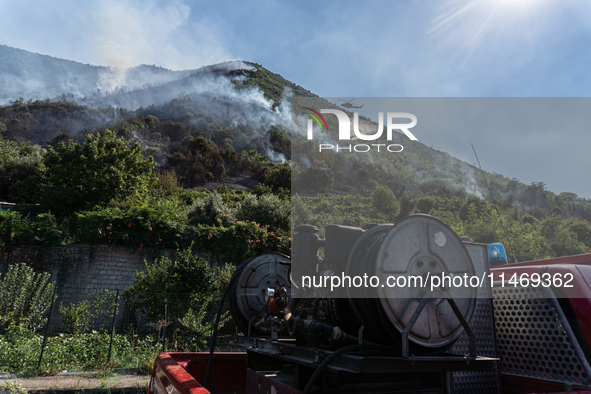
x,y
165,323
212,314
47,327
113,325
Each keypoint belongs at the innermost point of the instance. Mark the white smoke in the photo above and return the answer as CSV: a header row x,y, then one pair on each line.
x,y
133,33
470,183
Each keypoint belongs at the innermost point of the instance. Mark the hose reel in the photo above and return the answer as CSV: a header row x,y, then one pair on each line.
x,y
418,246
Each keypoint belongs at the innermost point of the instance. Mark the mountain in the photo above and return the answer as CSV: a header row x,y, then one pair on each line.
x,y
242,108
30,75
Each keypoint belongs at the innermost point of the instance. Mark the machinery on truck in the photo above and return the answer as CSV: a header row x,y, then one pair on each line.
x,y
396,308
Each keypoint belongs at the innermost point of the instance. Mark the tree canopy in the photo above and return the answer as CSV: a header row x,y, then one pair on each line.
x,y
78,177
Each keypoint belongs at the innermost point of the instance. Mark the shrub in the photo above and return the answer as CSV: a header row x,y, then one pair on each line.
x,y
241,241
224,274
301,212
187,274
266,209
279,176
152,222
24,297
261,189
103,168
319,178
16,230
18,163
13,228
199,327
384,200
78,317
211,211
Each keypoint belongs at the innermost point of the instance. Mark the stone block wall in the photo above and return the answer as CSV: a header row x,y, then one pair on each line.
x,y
79,270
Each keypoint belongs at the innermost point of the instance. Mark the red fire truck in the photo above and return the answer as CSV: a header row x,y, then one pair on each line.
x,y
520,328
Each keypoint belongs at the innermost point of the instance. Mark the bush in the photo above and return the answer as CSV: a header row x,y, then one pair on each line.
x,y
25,296
266,209
16,230
78,317
199,327
261,189
319,178
103,168
301,212
224,274
279,176
187,274
241,241
211,211
384,200
18,163
13,228
152,222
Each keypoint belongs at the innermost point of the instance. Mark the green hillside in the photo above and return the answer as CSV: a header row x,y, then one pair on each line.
x,y
234,132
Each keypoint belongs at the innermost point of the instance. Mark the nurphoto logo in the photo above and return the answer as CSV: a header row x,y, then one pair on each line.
x,y
345,130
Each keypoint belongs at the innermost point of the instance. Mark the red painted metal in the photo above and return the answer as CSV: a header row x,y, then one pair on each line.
x,y
579,297
576,259
181,373
519,385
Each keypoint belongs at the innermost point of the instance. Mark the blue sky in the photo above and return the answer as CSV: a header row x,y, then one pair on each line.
x,y
421,48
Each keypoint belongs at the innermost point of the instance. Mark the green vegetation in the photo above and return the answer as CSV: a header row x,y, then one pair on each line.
x,y
16,229
20,349
78,317
194,283
524,236
273,85
102,169
187,274
18,161
25,296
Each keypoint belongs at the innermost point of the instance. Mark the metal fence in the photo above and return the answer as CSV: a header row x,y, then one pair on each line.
x,y
174,321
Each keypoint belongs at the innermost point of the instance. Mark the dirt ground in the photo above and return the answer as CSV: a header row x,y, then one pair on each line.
x,y
81,382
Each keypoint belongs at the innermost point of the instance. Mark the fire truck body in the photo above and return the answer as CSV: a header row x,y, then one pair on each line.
x,y
531,331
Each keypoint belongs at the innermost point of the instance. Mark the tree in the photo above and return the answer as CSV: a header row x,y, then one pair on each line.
x,y
79,177
211,211
319,178
18,162
203,162
267,209
384,200
279,176
188,274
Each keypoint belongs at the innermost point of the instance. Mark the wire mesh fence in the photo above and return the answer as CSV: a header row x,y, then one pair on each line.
x,y
109,325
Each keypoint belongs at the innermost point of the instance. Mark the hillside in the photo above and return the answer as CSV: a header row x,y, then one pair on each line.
x,y
230,124
30,75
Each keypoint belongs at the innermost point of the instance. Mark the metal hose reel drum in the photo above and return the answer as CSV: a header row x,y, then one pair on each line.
x,y
416,246
249,293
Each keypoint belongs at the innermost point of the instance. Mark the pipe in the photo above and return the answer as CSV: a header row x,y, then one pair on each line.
x,y
234,277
